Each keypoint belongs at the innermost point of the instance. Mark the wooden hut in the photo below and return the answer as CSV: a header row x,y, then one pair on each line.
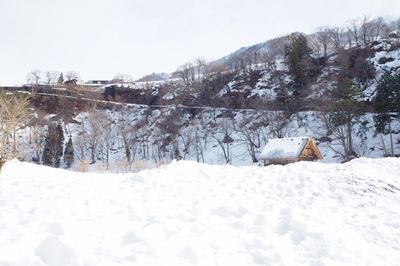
x,y
290,150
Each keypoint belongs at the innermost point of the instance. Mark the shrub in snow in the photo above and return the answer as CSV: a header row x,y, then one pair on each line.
x,y
81,166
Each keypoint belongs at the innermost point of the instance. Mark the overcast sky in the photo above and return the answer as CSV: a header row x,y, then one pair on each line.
x,y
100,38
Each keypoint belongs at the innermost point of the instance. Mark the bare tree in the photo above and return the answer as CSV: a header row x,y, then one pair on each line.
x,y
315,45
143,135
14,113
71,76
107,138
250,132
92,131
395,25
342,116
34,77
198,140
367,30
353,30
187,138
339,136
269,60
277,46
277,123
168,130
37,133
337,37
200,67
222,134
52,77
187,73
80,145
323,38
127,133
123,79
379,27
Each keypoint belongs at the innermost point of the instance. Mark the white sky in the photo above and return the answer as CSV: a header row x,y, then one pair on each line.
x,y
100,38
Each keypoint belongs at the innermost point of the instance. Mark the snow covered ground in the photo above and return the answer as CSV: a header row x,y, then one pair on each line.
x,y
187,213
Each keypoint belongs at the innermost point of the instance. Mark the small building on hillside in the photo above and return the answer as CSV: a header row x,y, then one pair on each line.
x,y
98,82
71,82
290,150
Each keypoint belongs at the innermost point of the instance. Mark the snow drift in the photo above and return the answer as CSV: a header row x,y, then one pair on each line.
x,y
187,213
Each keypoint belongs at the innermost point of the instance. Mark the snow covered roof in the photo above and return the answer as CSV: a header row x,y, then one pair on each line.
x,y
285,148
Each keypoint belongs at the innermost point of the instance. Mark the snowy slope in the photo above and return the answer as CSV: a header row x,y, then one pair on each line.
x,y
187,213
367,143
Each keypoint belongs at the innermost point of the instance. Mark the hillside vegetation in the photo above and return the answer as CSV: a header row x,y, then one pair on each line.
x,y
340,85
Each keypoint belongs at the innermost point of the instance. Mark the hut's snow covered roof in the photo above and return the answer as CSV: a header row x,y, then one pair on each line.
x,y
285,148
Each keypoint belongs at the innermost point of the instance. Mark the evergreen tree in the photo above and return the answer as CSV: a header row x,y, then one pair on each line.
x,y
385,102
396,87
61,79
285,98
346,110
53,149
69,153
301,64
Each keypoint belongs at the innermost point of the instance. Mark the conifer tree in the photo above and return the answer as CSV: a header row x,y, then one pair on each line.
x,y
345,112
61,79
299,61
53,149
385,103
397,93
69,153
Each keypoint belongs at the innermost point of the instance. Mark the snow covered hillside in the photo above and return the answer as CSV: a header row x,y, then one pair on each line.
x,y
187,213
196,138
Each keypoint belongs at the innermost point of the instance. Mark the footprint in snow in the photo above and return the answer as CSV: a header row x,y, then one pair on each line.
x,y
53,252
130,238
53,228
188,254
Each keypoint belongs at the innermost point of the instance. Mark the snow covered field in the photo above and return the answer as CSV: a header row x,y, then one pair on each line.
x,y
187,213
